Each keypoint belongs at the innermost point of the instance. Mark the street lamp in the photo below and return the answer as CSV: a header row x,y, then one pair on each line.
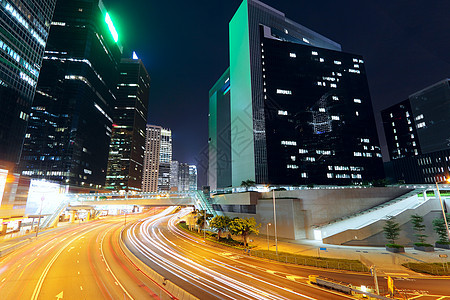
x,y
267,232
275,222
442,206
40,213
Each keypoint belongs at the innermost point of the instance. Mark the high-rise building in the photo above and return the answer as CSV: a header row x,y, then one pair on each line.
x,y
165,160
187,177
219,143
300,109
151,159
126,154
70,126
417,135
174,171
192,178
24,30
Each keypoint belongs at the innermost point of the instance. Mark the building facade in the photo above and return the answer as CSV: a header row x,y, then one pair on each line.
x,y
174,171
165,160
126,154
300,109
24,31
151,159
70,125
417,135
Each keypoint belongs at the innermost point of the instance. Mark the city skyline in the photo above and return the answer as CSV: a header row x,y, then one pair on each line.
x,y
412,45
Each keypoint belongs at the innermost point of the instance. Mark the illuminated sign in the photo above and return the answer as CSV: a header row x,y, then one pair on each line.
x,y
3,177
111,27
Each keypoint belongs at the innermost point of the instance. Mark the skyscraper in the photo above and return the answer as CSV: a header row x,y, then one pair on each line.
x,y
126,154
417,135
70,126
300,110
151,159
174,171
165,160
23,35
187,177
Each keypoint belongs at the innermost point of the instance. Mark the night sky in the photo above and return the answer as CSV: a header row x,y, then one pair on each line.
x,y
184,45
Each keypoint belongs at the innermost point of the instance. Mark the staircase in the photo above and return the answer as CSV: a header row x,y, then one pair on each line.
x,y
366,223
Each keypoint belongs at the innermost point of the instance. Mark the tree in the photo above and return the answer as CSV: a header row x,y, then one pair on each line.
x,y
419,228
220,223
380,182
201,222
391,229
248,183
441,230
243,227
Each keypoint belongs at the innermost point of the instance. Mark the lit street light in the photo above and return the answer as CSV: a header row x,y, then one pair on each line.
x,y
267,232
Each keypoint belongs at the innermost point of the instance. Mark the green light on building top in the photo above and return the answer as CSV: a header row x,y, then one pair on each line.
x,y
111,27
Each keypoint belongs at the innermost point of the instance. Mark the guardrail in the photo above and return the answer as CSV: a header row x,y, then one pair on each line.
x,y
311,261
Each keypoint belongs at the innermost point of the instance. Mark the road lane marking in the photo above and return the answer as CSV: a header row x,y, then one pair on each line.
x,y
3,280
71,248
78,273
108,267
38,287
81,288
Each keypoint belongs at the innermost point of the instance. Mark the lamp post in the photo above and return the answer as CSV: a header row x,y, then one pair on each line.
x,y
442,207
275,223
267,232
40,213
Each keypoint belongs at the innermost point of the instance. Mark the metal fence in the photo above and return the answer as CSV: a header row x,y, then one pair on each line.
x,y
311,261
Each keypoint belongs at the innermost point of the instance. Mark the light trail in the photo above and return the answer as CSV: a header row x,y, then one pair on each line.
x,y
151,239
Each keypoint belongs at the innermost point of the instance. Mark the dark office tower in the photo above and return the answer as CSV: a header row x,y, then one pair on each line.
x,y
23,35
400,131
417,135
300,108
126,152
71,121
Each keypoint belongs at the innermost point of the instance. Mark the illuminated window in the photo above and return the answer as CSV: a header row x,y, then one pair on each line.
x,y
282,113
322,109
304,175
336,62
321,59
292,55
284,92
335,98
357,100
302,151
330,175
314,53
333,85
289,143
335,118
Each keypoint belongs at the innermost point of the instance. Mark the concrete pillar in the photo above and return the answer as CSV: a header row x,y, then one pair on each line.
x,y
88,216
72,217
4,228
19,225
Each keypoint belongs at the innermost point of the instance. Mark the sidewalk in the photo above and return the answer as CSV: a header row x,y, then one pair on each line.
x,y
387,263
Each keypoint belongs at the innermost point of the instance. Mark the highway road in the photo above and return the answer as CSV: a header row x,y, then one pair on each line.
x,y
77,262
210,272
